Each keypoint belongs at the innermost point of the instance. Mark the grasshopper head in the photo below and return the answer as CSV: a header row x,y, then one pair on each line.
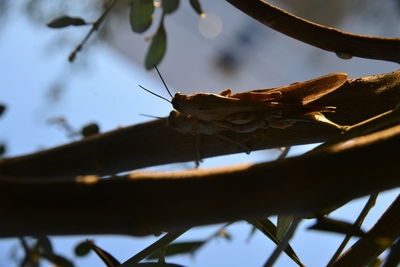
x,y
184,103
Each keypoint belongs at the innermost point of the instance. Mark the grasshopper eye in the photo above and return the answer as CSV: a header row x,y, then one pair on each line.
x,y
177,100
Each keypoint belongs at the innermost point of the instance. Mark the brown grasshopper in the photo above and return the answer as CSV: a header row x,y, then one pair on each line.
x,y
257,109
252,110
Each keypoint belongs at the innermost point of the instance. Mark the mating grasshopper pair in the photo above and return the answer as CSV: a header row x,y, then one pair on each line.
x,y
253,110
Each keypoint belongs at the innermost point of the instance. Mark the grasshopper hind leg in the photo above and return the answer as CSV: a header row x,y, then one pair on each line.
x,y
246,148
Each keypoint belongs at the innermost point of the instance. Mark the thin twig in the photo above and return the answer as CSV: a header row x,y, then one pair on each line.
x,y
361,217
96,25
156,246
283,243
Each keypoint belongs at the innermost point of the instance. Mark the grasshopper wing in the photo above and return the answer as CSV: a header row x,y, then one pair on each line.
x,y
262,95
305,92
309,91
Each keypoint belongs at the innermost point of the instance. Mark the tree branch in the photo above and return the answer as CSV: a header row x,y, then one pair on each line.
x,y
154,143
344,44
144,203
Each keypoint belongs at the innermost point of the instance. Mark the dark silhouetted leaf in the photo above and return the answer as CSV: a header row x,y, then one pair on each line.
x,y
83,248
197,7
282,225
141,15
157,48
393,259
152,264
2,109
106,257
178,248
90,129
66,21
336,226
44,245
378,263
269,229
169,6
3,149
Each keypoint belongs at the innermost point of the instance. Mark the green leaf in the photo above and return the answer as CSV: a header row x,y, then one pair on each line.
x,y
106,257
269,229
337,226
178,248
66,21
3,149
2,109
282,225
169,6
83,248
157,48
90,129
141,15
197,7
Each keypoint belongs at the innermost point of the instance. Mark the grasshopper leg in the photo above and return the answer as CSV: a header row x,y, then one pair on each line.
x,y
247,149
197,148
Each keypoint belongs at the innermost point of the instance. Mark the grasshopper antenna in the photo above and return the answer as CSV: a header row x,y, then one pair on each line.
x,y
166,87
150,116
147,90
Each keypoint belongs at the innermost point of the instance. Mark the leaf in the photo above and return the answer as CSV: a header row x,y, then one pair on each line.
x,y
106,257
66,21
179,248
282,225
336,226
3,149
393,259
141,15
153,264
44,245
157,48
2,109
269,229
83,248
378,262
169,6
90,129
197,7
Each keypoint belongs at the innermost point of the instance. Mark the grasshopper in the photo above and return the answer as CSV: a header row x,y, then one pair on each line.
x,y
257,109
253,110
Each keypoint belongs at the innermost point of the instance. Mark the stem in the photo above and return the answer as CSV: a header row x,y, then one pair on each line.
x,y
96,25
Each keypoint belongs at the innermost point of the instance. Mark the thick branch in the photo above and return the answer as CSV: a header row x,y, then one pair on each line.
x,y
377,240
147,203
154,143
342,43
